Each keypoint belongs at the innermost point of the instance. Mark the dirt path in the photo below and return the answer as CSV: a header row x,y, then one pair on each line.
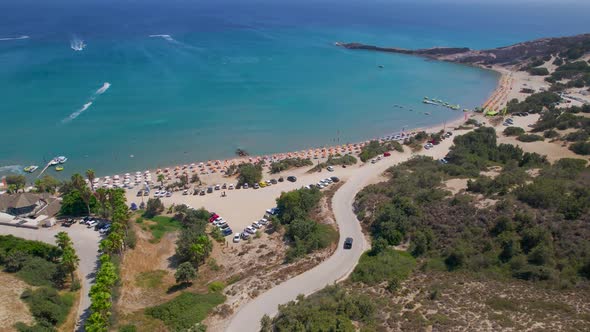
x,y
86,245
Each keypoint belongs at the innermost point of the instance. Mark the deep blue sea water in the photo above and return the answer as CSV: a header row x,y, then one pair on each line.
x,y
259,75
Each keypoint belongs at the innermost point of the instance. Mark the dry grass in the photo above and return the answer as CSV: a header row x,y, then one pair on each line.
x,y
13,309
70,323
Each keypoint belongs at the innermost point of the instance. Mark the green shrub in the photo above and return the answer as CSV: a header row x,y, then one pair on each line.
x,y
530,138
372,150
38,272
550,133
47,305
10,243
185,310
216,286
538,71
289,163
577,136
249,173
581,148
513,131
128,328
386,265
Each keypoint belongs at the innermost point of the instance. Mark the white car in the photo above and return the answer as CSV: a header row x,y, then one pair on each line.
x,y
157,193
250,230
263,221
237,237
91,223
256,225
330,169
230,187
104,230
221,224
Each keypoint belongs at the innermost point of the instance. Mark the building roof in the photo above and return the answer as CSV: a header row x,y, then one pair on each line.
x,y
19,200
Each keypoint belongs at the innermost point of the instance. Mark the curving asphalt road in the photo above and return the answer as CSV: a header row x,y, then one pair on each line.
x,y
332,270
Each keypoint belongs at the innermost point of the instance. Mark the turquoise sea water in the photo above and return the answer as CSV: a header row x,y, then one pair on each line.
x,y
259,77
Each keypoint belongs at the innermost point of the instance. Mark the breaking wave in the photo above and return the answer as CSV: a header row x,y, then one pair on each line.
x,y
97,93
14,38
77,44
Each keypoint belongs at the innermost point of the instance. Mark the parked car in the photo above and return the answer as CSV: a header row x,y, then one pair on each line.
x,y
185,192
386,154
348,243
245,186
139,193
291,178
273,181
217,187
330,169
169,194
91,223
236,237
262,184
250,230
256,225
335,179
245,235
256,186
230,187
443,161
209,190
224,186
146,193
281,179
105,229
227,231
263,221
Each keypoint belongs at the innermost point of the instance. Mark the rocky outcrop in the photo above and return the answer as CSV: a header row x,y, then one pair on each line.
x,y
509,55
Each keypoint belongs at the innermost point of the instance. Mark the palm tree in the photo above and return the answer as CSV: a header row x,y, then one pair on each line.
x,y
161,179
91,176
70,261
62,239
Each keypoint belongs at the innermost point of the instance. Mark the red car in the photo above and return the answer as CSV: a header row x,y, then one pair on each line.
x,y
213,217
386,154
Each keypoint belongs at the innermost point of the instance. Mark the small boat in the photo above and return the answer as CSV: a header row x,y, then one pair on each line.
x,y
429,102
53,162
381,66
427,113
59,168
31,169
61,159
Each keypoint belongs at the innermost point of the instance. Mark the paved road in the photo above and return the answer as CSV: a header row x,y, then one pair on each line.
x,y
340,264
332,270
86,245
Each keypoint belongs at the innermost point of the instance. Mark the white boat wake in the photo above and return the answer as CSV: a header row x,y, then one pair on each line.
x,y
77,44
165,37
97,93
14,38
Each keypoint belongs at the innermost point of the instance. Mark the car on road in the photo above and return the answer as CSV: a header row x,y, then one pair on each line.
x,y
291,178
236,237
348,243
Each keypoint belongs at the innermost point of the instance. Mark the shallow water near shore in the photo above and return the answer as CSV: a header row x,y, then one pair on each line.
x,y
130,89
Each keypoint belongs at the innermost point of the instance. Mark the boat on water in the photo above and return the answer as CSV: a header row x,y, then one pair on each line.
x,y
31,168
429,102
61,159
59,168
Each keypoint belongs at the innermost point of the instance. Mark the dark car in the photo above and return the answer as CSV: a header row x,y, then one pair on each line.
x,y
335,179
209,190
146,193
291,178
273,181
281,179
348,243
227,232
139,193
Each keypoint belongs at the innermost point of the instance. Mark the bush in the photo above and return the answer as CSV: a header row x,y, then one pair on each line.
x,y
530,138
47,305
40,249
185,310
307,236
297,204
581,148
289,163
387,265
38,272
550,134
216,286
577,136
538,71
372,150
513,131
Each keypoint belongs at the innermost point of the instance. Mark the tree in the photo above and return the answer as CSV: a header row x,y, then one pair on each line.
x,y
17,181
153,208
185,273
15,260
195,178
266,324
90,175
47,184
69,260
250,173
161,179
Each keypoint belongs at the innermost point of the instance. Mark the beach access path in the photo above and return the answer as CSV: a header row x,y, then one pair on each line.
x,y
86,244
342,262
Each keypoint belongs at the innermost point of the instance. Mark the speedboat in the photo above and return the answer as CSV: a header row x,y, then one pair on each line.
x,y
31,169
61,159
59,168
